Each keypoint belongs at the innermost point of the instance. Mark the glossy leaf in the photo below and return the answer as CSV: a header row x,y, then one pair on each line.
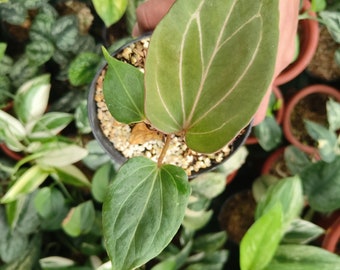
x,y
321,184
110,11
32,98
288,193
83,68
197,82
260,242
25,184
80,219
302,257
50,124
143,210
123,90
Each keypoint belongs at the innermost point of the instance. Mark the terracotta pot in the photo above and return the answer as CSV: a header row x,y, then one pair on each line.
x,y
278,114
272,162
289,109
116,155
332,237
309,37
231,177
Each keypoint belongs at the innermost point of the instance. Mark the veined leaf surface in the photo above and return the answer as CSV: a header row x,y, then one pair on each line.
x,y
142,211
207,76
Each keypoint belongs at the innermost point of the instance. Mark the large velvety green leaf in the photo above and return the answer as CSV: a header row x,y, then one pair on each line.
x,y
110,11
302,257
143,210
207,76
123,90
259,244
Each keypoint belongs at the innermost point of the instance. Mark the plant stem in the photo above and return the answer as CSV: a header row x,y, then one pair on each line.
x,y
165,148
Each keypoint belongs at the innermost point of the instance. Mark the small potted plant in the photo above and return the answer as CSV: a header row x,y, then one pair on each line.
x,y
188,92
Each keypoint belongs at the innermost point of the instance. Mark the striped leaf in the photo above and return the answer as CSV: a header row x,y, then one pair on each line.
x,y
207,78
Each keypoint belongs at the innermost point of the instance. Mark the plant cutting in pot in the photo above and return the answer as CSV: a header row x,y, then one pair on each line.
x,y
307,104
188,91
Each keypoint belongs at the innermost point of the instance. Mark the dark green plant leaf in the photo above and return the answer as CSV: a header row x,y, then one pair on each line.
x,y
83,68
301,232
327,140
268,133
260,242
85,43
82,119
80,219
288,193
195,80
13,13
321,184
65,32
143,210
50,124
22,71
295,159
110,11
41,27
123,90
39,52
302,257
100,181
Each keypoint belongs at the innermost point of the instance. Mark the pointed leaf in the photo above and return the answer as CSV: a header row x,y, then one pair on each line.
x,y
73,176
123,90
26,183
301,232
110,11
199,80
259,244
142,211
32,98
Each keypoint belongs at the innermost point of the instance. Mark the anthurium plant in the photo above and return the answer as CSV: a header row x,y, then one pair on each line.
x,y
199,83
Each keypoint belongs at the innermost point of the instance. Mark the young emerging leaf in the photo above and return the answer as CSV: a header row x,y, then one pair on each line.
x,y
142,211
123,90
110,11
199,80
261,240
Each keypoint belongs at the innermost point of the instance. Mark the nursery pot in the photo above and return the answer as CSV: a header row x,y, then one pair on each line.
x,y
290,128
332,237
106,143
275,164
308,31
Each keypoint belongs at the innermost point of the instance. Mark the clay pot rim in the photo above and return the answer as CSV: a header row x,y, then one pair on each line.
x,y
287,127
272,158
307,49
107,145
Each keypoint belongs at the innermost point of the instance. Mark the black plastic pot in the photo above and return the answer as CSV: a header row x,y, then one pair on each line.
x,y
116,155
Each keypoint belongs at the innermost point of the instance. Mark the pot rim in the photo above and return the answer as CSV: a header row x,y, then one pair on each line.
x,y
287,126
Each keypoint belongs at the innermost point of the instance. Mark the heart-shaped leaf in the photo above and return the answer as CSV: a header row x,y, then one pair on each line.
x,y
199,80
110,11
143,210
